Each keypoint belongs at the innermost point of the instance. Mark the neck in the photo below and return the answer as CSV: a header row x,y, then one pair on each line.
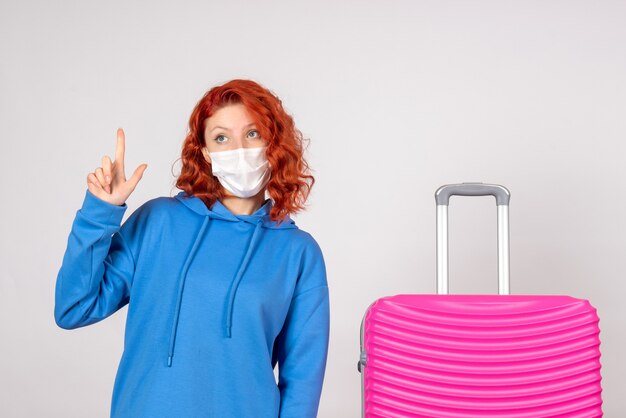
x,y
243,205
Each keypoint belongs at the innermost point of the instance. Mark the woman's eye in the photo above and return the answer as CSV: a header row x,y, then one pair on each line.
x,y
257,134
217,138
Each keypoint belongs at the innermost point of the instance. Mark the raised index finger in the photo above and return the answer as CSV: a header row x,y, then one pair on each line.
x,y
120,148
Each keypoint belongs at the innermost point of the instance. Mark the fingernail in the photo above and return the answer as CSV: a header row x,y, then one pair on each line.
x,y
108,178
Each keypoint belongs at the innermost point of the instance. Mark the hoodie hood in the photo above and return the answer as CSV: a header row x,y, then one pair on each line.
x,y
260,219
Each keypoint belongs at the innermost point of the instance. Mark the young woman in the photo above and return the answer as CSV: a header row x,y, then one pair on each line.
x,y
221,284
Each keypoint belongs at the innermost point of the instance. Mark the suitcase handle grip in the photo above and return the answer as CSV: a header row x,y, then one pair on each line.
x,y
442,197
501,193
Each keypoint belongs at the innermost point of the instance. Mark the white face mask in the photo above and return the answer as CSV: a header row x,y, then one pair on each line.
x,y
242,171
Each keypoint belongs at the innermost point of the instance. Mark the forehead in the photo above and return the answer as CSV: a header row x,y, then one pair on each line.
x,y
232,116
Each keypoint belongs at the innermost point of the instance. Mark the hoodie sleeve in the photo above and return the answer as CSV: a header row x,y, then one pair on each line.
x,y
302,344
96,274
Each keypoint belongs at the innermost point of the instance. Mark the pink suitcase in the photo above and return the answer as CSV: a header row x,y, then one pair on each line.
x,y
514,356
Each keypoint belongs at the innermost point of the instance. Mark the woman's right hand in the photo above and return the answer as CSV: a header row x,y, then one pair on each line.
x,y
109,182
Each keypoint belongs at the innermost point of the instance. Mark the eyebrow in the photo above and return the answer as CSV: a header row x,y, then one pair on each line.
x,y
226,129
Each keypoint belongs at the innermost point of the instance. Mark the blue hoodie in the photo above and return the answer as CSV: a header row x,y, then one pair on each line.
x,y
215,301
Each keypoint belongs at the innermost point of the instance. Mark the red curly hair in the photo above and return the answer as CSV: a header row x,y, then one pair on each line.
x,y
289,185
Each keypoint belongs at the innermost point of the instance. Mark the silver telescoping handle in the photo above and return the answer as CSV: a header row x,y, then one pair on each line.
x,y
442,197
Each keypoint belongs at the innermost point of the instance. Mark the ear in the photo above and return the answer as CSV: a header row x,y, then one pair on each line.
x,y
205,153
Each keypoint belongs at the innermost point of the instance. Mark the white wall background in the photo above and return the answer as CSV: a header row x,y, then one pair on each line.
x,y
397,97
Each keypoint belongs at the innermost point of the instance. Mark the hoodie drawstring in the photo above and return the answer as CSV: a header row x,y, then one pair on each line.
x,y
181,285
234,285
232,289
